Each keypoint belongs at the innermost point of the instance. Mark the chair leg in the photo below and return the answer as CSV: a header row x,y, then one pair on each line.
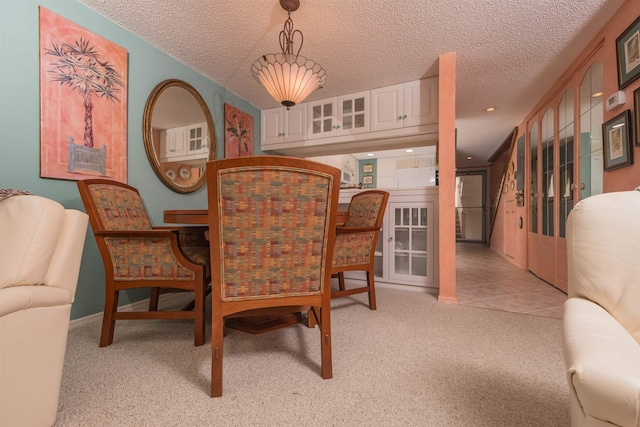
x,y
372,290
217,333
153,300
325,343
108,322
341,280
198,314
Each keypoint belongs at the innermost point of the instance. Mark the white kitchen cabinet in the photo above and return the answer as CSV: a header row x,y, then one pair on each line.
x,y
184,143
282,125
342,115
404,105
406,253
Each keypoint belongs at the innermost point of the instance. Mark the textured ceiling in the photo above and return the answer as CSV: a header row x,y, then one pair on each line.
x,y
508,52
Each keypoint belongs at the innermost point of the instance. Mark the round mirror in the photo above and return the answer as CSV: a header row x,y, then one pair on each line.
x,y
179,137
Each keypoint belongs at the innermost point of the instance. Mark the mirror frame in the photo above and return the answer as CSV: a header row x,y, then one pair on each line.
x,y
148,140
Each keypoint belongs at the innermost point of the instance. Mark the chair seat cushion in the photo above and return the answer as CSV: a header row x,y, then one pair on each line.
x,y
18,298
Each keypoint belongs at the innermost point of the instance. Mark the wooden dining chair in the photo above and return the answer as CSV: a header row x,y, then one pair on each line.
x,y
356,242
137,255
272,231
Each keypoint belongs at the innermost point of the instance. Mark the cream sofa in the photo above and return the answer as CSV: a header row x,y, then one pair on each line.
x,y
601,325
41,246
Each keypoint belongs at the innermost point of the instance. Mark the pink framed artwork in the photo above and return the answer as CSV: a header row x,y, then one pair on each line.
x,y
83,102
238,133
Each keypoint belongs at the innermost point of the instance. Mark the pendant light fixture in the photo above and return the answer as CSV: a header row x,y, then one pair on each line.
x,y
289,77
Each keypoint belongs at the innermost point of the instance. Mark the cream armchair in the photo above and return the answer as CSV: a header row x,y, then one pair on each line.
x,y
601,325
41,245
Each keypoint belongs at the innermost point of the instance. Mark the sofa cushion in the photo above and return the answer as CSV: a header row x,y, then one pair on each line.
x,y
18,298
30,228
604,256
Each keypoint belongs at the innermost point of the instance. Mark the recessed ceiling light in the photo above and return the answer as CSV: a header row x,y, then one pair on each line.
x,y
597,94
469,158
370,154
410,150
490,109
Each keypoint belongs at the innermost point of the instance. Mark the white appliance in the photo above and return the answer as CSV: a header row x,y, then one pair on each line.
x,y
416,177
348,174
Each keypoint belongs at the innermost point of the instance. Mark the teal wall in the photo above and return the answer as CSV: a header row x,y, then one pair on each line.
x,y
373,175
20,121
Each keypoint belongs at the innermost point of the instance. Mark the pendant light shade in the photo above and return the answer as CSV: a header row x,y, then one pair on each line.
x,y
289,77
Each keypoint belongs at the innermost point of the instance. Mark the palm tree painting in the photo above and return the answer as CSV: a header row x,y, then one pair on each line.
x,y
83,98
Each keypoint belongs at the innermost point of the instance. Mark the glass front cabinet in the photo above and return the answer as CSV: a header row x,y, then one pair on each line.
x,y
406,253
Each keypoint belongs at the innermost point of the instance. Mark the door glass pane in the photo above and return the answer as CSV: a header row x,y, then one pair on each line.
x,y
470,199
565,161
317,111
548,183
401,262
423,216
359,104
327,125
414,216
533,173
590,144
419,239
328,110
359,120
347,122
418,265
402,239
346,107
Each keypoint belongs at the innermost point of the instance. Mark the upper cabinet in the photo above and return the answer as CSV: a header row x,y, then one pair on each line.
x,y
342,115
403,105
406,112
282,125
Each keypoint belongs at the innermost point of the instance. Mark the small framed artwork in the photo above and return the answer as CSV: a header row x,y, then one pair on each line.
x,y
367,179
636,115
367,168
618,150
628,54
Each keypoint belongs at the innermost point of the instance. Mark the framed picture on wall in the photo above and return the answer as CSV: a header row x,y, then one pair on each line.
x,y
238,133
636,115
367,179
83,102
628,54
367,168
618,150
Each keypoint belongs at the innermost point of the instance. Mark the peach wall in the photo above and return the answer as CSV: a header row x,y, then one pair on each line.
x,y
602,48
447,176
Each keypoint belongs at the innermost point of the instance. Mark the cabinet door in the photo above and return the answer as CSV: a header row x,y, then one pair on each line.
x,y
386,108
272,130
323,118
176,142
354,113
410,242
295,123
420,102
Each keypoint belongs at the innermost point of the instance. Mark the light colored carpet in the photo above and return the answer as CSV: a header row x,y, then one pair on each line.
x,y
413,362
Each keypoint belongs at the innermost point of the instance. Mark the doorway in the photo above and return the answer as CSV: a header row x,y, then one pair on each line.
x,y
471,213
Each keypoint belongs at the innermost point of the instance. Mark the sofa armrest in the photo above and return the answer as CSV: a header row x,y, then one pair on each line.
x,y
603,364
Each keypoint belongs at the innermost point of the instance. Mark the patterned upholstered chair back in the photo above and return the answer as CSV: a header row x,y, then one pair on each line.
x,y
119,208
273,230
366,209
272,233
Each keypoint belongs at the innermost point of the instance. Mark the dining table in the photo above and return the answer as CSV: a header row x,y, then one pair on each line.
x,y
261,320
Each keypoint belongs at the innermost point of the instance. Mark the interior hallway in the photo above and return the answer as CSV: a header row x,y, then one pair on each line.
x,y
486,280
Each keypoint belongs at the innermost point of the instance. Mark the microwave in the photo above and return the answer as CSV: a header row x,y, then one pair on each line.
x,y
347,176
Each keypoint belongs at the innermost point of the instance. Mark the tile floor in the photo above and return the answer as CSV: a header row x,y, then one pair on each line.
x,y
486,280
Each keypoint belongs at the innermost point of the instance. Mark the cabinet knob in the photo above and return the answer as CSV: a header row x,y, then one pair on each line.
x,y
404,117
399,117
